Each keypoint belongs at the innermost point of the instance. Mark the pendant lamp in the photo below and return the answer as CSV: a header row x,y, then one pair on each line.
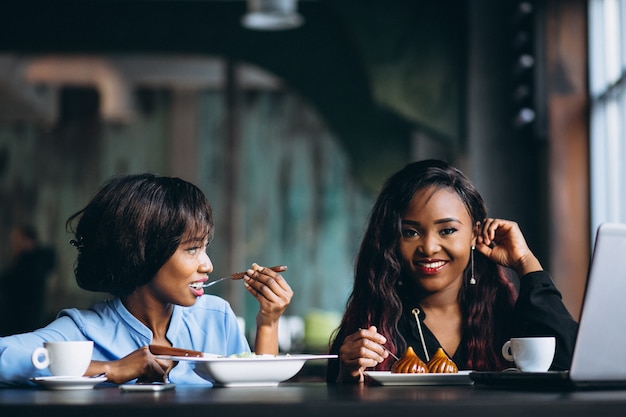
x,y
272,15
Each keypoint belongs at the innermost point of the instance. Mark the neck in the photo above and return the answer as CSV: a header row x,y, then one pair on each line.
x,y
153,314
445,299
442,301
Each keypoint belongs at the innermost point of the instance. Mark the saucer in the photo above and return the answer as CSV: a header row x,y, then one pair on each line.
x,y
68,382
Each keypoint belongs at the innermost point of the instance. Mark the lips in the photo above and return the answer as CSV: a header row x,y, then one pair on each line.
x,y
196,289
196,285
430,267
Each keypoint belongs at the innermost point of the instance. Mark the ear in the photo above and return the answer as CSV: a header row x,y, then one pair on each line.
x,y
475,233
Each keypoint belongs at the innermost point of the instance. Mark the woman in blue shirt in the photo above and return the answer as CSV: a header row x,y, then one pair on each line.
x,y
143,238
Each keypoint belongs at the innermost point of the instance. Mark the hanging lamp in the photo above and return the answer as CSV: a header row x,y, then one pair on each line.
x,y
272,15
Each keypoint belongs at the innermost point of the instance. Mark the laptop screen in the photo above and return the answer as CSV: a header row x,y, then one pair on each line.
x,y
599,354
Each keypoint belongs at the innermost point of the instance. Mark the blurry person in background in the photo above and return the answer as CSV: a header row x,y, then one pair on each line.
x,y
23,282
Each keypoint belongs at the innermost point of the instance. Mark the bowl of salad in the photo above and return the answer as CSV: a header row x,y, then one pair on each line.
x,y
249,369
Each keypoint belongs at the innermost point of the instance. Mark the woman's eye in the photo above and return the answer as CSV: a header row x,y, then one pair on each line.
x,y
193,250
448,231
409,233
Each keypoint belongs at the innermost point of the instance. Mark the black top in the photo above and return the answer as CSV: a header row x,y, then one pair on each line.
x,y
539,311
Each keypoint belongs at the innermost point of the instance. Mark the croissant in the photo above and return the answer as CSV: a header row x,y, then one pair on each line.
x,y
441,363
409,363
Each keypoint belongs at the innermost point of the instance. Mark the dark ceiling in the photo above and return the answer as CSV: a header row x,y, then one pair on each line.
x,y
375,70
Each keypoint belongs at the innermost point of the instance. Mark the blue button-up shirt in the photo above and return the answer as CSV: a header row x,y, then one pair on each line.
x,y
209,325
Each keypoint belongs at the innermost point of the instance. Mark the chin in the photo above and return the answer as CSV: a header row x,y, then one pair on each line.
x,y
430,284
188,303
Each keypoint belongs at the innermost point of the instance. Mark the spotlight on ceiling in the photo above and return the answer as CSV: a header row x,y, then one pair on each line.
x,y
272,15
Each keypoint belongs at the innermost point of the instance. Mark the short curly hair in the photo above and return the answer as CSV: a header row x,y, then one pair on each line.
x,y
132,226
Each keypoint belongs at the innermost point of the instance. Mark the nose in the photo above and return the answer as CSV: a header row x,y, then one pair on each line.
x,y
429,244
206,266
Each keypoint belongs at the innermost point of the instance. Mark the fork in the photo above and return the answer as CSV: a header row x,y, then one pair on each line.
x,y
208,284
392,355
239,275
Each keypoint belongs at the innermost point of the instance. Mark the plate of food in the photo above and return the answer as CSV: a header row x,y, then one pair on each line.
x,y
393,378
248,369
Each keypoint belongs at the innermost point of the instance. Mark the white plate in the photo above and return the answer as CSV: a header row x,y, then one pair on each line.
x,y
68,382
389,378
262,370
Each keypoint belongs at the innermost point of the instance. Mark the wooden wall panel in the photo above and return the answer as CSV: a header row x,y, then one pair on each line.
x,y
569,147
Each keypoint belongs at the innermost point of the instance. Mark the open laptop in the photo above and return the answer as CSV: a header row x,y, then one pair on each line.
x,y
599,358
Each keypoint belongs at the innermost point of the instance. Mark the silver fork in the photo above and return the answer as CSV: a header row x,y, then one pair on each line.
x,y
239,275
208,284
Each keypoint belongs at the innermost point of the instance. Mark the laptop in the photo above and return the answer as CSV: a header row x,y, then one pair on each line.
x,y
599,358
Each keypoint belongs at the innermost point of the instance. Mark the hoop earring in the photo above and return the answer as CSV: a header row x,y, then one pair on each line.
x,y
472,280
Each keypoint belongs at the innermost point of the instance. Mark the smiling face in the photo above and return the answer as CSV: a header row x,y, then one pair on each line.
x,y
437,235
189,265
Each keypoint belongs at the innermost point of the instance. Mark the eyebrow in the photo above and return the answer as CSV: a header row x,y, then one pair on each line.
x,y
192,239
439,221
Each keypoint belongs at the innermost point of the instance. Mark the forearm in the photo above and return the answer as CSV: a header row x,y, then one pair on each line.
x,y
540,311
16,367
97,368
266,340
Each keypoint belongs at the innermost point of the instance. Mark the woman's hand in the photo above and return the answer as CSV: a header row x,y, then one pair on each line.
x,y
274,295
140,364
502,241
360,350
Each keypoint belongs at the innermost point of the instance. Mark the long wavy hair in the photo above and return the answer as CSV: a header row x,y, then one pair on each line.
x,y
377,298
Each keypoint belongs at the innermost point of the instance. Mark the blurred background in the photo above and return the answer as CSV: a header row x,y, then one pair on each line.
x,y
291,130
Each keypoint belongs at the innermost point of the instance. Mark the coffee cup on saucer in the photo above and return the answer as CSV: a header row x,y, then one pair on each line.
x,y
66,358
530,354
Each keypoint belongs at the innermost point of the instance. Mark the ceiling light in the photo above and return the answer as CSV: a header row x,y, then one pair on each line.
x,y
272,15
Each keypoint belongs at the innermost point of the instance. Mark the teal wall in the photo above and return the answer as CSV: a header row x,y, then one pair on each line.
x,y
298,202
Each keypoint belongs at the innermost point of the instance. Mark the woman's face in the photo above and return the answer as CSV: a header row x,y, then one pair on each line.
x,y
189,265
437,235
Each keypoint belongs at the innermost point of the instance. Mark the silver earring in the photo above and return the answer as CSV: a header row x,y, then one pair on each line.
x,y
472,280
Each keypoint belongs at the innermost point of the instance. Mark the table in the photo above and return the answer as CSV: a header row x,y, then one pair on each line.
x,y
304,399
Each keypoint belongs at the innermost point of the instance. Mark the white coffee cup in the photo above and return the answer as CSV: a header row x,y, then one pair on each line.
x,y
64,358
530,354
